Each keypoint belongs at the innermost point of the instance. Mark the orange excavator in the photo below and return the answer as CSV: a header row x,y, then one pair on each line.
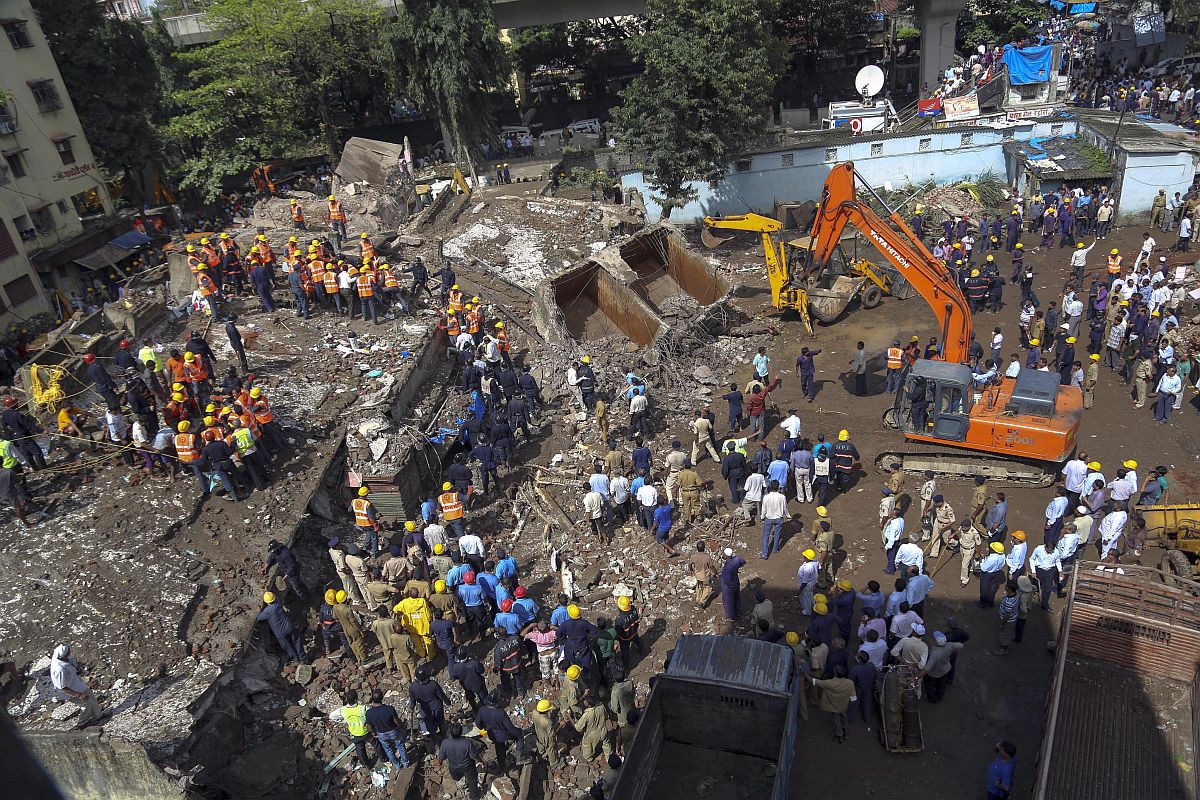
x,y
954,421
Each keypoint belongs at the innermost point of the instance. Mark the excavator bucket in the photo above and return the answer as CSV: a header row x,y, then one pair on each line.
x,y
711,240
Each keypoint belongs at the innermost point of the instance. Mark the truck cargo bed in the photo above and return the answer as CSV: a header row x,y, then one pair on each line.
x,y
688,772
1144,751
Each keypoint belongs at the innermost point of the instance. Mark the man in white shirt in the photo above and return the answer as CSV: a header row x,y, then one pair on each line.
x,y
573,386
1111,529
791,424
1045,564
752,489
1169,385
908,555
893,532
806,580
774,511
1120,490
70,686
619,486
1185,235
876,649
1073,472
1073,309
469,544
1148,244
1054,514
647,497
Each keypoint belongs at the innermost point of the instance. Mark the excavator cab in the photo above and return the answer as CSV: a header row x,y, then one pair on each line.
x,y
938,400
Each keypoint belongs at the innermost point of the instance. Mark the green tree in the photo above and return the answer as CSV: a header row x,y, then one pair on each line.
x,y
830,25
1001,22
709,69
541,46
113,82
452,58
278,84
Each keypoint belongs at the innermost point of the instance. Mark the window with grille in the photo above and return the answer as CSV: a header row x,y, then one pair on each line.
x,y
831,154
43,219
788,159
967,138
18,34
924,145
20,290
15,165
8,121
743,165
8,248
876,148
64,151
1008,136
1055,130
45,94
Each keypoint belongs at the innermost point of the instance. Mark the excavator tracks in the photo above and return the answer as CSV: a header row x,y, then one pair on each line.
x,y
955,464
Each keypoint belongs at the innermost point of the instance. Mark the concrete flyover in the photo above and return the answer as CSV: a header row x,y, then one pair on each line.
x,y
192,29
939,25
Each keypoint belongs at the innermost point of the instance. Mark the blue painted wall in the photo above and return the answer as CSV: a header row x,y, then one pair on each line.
x,y
938,154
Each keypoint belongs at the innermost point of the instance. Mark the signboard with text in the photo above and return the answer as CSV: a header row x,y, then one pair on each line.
x,y
961,107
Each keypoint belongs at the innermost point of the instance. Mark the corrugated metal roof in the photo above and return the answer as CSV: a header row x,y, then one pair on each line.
x,y
733,660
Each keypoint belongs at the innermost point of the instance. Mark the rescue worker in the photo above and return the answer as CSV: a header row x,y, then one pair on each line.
x,y
336,217
450,505
209,291
297,215
417,616
844,456
546,725
286,635
366,520
365,285
346,617
626,623
430,698
366,250
689,484
329,625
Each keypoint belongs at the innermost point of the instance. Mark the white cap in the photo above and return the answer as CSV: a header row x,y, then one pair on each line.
x,y
1082,510
918,629
62,651
728,551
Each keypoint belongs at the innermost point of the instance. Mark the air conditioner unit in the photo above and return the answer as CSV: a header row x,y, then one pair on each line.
x,y
8,126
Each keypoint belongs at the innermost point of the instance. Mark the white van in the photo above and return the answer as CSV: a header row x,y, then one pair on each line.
x,y
1184,65
551,140
587,127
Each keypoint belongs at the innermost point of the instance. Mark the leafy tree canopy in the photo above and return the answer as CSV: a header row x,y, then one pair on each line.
x,y
709,69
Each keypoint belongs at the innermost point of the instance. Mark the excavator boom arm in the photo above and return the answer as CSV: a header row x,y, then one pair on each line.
x,y
777,270
927,275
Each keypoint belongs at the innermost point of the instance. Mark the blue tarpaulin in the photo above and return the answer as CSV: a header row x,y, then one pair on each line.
x,y
1057,5
1083,8
130,240
1028,65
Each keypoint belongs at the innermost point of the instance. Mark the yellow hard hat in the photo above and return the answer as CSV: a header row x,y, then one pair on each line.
x,y
317,243
820,599
439,585
223,236
573,611
292,201
330,596
268,597
209,420
254,250
822,511
1079,245
455,286
991,258
340,596
1071,340
204,240
1035,341
475,299
573,672
1093,465
439,548
363,491
183,426
792,638
446,486
845,585
410,526
331,197
1114,251
623,603
997,547
178,387
843,435
1019,535
1020,246
191,248
1124,302
810,554
1130,464
256,392
210,408
586,359
293,239
974,273
544,706
1094,356
178,397
261,237
820,609
499,324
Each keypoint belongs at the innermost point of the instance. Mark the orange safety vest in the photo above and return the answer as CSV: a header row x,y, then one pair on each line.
x,y
365,287
389,280
229,246
297,213
360,506
265,252
185,447
316,270
262,412
205,283
895,357
452,326
451,505
1114,265
456,300
210,255
196,371
194,263
335,211
502,340
473,321
292,250
366,249
331,286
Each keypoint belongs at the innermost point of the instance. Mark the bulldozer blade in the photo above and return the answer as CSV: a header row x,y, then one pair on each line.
x,y
711,240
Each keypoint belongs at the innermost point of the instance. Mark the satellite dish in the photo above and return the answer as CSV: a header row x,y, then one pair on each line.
x,y
869,80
